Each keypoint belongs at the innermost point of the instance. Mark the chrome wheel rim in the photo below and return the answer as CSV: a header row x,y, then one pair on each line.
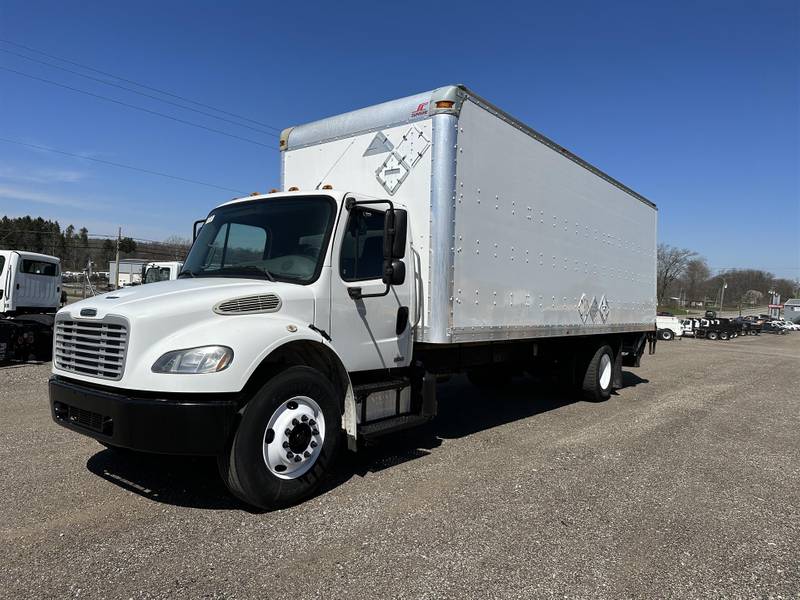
x,y
293,437
605,371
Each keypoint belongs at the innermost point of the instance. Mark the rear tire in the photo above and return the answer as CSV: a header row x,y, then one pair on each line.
x,y
599,373
723,335
254,468
666,334
712,335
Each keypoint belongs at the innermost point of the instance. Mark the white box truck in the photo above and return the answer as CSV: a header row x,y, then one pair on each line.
x,y
30,295
430,235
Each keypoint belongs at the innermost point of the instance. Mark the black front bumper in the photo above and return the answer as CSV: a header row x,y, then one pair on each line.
x,y
175,424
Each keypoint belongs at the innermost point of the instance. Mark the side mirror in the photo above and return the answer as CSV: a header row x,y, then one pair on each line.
x,y
195,229
394,272
395,228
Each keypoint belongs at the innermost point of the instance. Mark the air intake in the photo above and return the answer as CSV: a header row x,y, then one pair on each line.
x,y
248,305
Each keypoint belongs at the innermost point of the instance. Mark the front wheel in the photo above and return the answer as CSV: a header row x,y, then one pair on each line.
x,y
286,441
666,334
712,335
599,374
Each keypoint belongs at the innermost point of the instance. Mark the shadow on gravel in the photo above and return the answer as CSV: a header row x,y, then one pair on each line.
x,y
194,482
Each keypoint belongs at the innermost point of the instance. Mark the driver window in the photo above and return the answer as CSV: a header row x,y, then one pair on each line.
x,y
362,245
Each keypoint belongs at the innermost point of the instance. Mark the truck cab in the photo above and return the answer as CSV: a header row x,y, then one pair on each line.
x,y
161,271
29,282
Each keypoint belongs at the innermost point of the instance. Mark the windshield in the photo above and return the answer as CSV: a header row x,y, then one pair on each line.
x,y
282,239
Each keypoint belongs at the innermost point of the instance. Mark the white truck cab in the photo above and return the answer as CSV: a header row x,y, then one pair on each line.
x,y
161,271
29,282
426,236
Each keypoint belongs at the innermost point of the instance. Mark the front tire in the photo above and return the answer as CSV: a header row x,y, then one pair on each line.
x,y
712,335
666,334
286,442
599,375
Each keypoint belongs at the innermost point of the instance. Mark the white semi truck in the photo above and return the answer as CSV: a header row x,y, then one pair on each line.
x,y
30,295
426,236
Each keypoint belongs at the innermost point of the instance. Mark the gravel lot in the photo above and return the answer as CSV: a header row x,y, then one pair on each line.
x,y
684,484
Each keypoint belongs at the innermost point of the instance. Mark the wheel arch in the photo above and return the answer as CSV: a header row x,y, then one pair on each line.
x,y
314,354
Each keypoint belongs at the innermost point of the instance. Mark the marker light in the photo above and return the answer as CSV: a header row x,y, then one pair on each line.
x,y
327,186
445,104
205,359
294,188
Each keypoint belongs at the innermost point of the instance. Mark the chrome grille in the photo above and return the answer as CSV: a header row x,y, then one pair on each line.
x,y
93,348
249,304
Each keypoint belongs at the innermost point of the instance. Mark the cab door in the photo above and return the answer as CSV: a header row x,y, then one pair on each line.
x,y
371,332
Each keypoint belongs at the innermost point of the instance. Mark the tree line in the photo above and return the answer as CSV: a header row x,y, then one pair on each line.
x,y
76,247
684,279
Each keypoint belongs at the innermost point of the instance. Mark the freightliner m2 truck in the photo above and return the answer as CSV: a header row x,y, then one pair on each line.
x,y
426,236
30,295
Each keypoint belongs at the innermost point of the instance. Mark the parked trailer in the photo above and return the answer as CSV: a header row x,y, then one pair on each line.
x,y
421,237
161,271
30,295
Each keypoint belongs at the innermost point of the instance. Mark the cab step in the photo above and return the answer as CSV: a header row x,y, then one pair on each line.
x,y
390,425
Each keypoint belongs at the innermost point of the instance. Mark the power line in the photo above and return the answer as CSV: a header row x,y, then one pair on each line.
x,y
139,108
123,166
142,85
129,89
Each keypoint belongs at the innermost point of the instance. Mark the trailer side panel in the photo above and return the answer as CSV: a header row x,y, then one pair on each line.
x,y
543,246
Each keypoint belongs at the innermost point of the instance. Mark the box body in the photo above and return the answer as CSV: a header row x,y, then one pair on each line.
x,y
512,236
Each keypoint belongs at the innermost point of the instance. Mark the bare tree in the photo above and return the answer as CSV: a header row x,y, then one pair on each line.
x,y
177,246
752,297
697,273
671,264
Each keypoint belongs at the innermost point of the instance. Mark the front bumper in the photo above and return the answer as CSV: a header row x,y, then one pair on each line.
x,y
170,425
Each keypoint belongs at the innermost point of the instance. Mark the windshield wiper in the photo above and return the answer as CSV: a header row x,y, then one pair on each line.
x,y
261,270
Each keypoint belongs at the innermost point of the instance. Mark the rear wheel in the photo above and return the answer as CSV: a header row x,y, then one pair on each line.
x,y
597,379
666,334
286,441
723,335
712,335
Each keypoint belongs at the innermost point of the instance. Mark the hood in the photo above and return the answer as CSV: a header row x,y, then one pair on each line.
x,y
186,298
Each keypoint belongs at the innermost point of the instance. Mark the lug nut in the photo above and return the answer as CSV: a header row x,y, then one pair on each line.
x,y
288,432
297,458
312,422
290,455
315,432
306,453
304,418
295,422
313,444
285,444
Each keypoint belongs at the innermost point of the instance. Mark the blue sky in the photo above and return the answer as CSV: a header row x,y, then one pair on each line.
x,y
693,104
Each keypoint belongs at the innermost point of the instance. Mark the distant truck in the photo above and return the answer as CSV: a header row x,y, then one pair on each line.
x,y
668,327
30,295
422,237
161,271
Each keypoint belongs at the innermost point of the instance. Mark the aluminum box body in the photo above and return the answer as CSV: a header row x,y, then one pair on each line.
x,y
513,236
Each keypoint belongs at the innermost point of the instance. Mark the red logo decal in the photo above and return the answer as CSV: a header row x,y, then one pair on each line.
x,y
421,110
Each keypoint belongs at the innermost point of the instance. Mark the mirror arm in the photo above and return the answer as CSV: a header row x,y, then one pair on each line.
x,y
355,293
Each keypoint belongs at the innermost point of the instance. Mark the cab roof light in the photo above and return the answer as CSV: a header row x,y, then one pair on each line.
x,y
294,188
445,104
274,191
327,186
255,193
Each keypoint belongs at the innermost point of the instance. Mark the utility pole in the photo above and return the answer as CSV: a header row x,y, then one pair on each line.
x,y
116,276
722,295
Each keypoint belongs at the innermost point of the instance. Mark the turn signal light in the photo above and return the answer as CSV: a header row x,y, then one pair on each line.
x,y
445,104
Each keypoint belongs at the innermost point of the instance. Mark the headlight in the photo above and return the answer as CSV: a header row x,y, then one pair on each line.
x,y
206,359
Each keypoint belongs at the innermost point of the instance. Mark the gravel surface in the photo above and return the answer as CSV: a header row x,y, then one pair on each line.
x,y
684,484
